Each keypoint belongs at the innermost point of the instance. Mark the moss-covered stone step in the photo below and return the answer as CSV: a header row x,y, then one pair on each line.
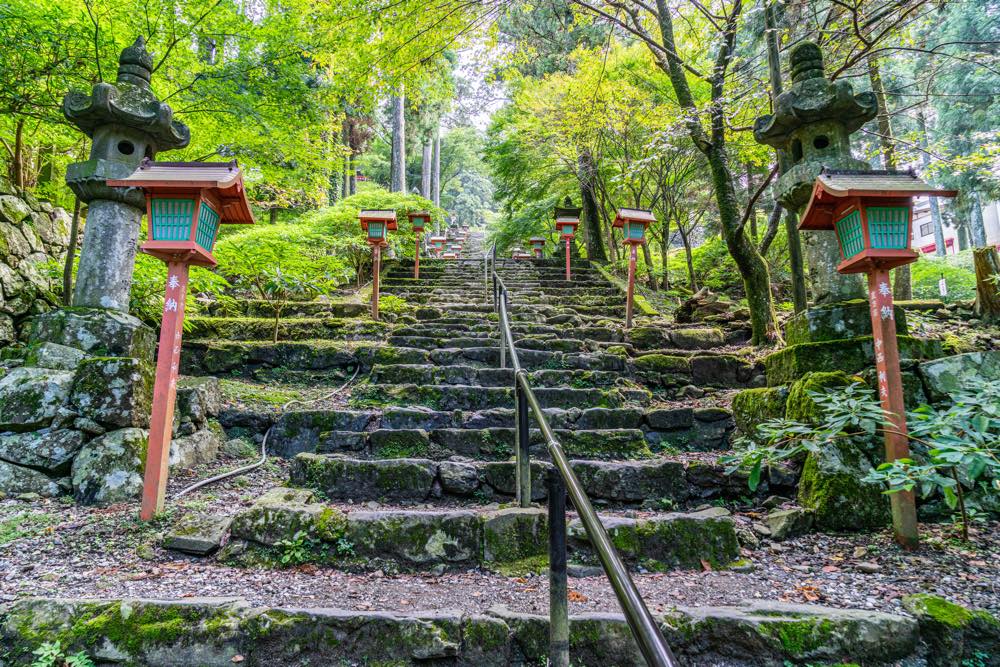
x,y
548,342
655,482
703,370
207,356
530,359
413,540
260,308
300,328
489,377
459,397
223,631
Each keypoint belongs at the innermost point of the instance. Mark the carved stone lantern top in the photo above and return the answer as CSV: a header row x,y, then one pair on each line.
x,y
127,123
812,122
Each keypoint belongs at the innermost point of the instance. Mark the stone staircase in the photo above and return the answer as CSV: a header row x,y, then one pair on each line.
x,y
416,472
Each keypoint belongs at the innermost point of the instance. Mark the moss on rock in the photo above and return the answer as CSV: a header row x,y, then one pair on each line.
x,y
752,407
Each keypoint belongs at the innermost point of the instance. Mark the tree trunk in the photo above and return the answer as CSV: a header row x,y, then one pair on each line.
x,y
977,226
650,270
689,258
74,232
587,175
987,263
17,166
436,172
940,249
272,215
665,253
397,171
425,170
886,140
753,212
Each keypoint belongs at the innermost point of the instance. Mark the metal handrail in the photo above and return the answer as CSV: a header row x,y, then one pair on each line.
x,y
647,634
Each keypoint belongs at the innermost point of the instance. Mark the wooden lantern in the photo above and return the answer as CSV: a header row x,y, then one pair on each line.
x,y
871,214
633,223
567,220
537,245
186,202
418,220
377,224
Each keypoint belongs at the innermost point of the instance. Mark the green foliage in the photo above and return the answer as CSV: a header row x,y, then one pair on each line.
x,y
390,303
296,549
149,282
51,654
956,269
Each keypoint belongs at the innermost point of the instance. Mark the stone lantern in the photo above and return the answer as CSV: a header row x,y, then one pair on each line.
x,y
812,123
127,123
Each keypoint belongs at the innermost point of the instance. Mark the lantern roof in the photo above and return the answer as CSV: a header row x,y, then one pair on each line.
x,y
223,179
376,215
423,215
537,239
633,215
833,185
567,214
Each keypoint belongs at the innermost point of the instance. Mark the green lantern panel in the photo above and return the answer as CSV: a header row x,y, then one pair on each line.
x,y
850,235
569,230
376,230
208,224
635,230
172,219
887,226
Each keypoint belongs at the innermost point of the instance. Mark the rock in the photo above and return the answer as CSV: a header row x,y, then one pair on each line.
x,y
719,370
109,469
947,377
115,391
417,538
397,479
55,356
836,321
800,405
461,479
697,339
49,450
88,426
867,567
205,391
668,541
30,397
631,482
832,487
301,431
788,523
954,634
16,479
670,419
281,513
392,443
97,331
663,369
202,446
849,356
746,538
753,407
7,332
198,535
513,534
13,209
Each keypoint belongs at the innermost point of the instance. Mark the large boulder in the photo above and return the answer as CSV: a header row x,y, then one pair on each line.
x,y
836,321
949,376
16,479
117,391
753,407
95,331
109,469
955,635
202,446
30,397
49,450
54,356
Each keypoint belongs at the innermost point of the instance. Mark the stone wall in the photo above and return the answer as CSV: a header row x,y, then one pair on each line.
x,y
33,234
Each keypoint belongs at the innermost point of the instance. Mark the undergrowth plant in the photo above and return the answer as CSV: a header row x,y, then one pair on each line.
x,y
51,654
953,448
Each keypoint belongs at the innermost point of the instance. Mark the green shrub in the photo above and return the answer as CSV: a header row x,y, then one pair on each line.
x,y
957,270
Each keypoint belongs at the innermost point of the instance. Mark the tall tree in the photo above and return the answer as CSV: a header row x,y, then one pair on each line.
x,y
397,171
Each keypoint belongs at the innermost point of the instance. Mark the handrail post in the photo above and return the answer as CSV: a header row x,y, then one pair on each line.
x,y
503,342
522,436
558,587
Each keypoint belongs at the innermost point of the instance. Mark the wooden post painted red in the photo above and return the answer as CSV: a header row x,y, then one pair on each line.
x,y
376,268
568,276
630,295
165,390
416,259
890,391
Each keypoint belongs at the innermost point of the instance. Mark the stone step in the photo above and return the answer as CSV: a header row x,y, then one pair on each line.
x,y
259,308
468,397
211,356
657,483
441,328
549,343
750,634
489,377
416,540
300,328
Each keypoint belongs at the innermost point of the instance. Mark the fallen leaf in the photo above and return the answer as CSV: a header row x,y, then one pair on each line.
x,y
831,568
575,596
705,565
238,658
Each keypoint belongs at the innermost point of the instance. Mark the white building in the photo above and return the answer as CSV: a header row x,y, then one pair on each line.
x,y
923,227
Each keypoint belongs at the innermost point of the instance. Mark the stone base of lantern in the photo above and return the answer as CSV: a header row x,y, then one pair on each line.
x,y
75,406
836,321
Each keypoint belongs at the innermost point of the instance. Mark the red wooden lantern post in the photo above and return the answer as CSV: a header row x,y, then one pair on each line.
x,y
633,223
377,224
567,220
871,213
537,245
418,219
437,245
186,202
